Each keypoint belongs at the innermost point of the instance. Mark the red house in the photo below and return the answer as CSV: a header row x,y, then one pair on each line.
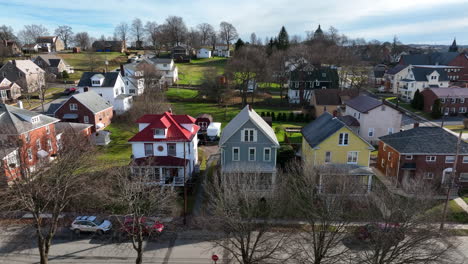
x,y
203,121
453,100
26,138
87,108
423,153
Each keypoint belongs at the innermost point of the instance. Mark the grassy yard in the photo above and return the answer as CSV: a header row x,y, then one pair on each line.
x,y
455,213
457,128
408,107
176,93
118,152
192,73
81,61
34,101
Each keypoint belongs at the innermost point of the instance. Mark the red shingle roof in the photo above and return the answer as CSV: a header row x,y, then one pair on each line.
x,y
173,124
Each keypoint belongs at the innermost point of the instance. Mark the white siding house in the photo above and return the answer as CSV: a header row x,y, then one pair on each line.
x,y
203,53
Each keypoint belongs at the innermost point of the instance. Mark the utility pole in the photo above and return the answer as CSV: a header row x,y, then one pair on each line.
x,y
452,181
185,187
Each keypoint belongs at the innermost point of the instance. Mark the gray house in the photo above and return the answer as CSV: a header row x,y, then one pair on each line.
x,y
249,145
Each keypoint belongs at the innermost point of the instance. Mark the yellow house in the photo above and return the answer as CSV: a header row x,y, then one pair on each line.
x,y
328,142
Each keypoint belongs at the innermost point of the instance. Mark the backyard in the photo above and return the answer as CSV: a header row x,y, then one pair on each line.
x,y
31,101
408,107
192,73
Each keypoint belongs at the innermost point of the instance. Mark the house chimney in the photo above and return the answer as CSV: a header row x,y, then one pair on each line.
x,y
20,104
415,125
122,72
170,110
250,107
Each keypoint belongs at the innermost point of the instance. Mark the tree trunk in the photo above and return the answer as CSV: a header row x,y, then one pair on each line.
x,y
43,250
139,259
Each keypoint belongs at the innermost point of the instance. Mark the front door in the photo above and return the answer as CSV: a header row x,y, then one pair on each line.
x,y
446,176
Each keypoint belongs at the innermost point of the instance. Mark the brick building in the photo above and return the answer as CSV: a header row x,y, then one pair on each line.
x,y
26,139
426,153
453,100
87,108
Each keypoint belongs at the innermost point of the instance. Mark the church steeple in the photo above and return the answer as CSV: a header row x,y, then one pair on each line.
x,y
318,33
454,47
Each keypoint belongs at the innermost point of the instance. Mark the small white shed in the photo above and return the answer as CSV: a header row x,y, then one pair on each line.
x,y
203,53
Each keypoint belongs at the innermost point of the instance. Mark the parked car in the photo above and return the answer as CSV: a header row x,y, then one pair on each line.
x,y
91,224
374,232
149,226
69,91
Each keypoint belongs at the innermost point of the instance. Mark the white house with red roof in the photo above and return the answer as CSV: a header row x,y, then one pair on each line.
x,y
165,148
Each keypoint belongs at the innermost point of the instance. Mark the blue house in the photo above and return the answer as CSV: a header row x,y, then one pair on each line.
x,y
249,145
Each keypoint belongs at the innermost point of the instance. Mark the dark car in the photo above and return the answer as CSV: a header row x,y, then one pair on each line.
x,y
149,226
69,91
379,232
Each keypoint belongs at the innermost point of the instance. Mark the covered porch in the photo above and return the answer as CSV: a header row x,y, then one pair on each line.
x,y
162,170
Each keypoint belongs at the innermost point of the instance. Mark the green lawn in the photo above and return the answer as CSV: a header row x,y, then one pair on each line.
x,y
408,107
118,152
457,128
466,199
81,61
52,93
455,213
192,73
176,93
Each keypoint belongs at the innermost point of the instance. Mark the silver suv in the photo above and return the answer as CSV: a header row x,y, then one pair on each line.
x,y
90,224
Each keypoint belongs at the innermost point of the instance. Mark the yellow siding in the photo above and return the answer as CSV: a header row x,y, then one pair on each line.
x,y
339,154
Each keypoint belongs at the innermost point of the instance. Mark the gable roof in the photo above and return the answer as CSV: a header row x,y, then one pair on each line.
x,y
173,124
450,92
424,140
46,39
109,79
240,119
12,120
421,73
51,59
26,66
350,121
333,96
363,103
398,68
107,43
322,128
311,73
435,58
70,128
93,101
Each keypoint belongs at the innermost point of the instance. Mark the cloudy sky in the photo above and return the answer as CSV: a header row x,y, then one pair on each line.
x,y
413,21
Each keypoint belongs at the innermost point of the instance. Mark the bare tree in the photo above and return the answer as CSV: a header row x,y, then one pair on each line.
x,y
176,29
30,33
155,35
213,38
227,33
82,40
137,32
253,38
244,206
121,31
206,30
50,189
215,87
246,67
65,33
93,61
193,38
138,190
278,64
6,33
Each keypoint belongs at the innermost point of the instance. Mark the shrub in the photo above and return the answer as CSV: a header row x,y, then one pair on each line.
x,y
262,114
291,117
273,117
65,75
285,154
268,114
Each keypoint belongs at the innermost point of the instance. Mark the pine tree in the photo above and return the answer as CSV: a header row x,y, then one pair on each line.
x,y
273,117
415,100
238,44
283,39
436,112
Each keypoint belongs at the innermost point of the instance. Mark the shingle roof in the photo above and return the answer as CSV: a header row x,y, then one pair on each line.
x,y
333,96
450,92
68,127
51,59
109,78
314,73
421,73
240,119
173,123
363,103
27,66
321,128
396,69
424,140
435,58
92,101
12,120
106,43
350,121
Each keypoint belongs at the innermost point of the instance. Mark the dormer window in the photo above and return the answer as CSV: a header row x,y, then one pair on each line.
x,y
96,82
159,133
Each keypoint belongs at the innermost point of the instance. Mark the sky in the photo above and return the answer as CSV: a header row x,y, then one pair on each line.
x,y
412,21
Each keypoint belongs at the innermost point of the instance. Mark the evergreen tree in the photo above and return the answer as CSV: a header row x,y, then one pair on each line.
x,y
291,117
414,101
436,112
283,39
273,117
239,44
420,101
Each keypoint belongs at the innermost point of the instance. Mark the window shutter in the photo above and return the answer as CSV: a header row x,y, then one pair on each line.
x,y
255,135
242,135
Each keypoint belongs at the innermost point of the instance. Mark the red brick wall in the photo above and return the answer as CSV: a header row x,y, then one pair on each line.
x,y
104,116
430,97
388,166
461,61
35,135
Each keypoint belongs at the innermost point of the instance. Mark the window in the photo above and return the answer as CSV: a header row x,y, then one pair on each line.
x,y
344,139
47,129
442,100
352,157
462,110
371,132
132,91
249,135
235,154
203,124
428,175
252,154
409,157
389,156
453,100
327,157
30,156
49,145
463,177
27,137
38,144
86,119
382,163
430,158
449,159
462,100
159,132
73,107
171,149
98,82
359,116
465,159
390,130
267,154
148,149
296,84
